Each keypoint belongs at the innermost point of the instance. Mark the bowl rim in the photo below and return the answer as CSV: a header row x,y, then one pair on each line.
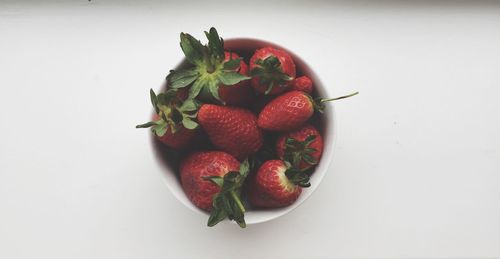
x,y
251,216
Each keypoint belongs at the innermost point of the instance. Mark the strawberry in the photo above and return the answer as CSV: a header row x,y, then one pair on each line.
x,y
231,129
302,147
210,67
303,84
276,185
178,139
286,112
240,93
172,123
272,70
199,165
291,110
212,180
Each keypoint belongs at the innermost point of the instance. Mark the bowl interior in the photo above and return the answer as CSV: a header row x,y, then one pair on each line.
x,y
169,159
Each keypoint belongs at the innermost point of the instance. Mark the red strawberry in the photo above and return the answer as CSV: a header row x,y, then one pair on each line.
x,y
240,93
272,70
180,139
231,129
291,110
172,123
208,68
302,147
199,165
286,112
303,84
213,180
275,185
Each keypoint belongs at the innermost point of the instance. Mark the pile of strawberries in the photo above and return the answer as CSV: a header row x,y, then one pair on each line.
x,y
243,132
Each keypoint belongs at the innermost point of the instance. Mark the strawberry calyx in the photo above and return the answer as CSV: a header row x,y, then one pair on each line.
x,y
172,113
319,103
208,70
297,151
227,203
270,73
297,176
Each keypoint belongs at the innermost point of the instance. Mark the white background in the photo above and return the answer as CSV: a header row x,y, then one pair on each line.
x,y
417,166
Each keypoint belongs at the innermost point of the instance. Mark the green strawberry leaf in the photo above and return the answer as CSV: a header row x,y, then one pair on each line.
x,y
166,98
215,179
172,113
160,129
147,124
270,62
217,215
213,87
244,168
269,88
298,177
176,116
196,88
227,203
309,139
183,78
175,75
232,64
215,44
189,105
189,124
154,100
309,150
192,116
270,73
231,78
192,48
309,159
291,141
209,71
297,151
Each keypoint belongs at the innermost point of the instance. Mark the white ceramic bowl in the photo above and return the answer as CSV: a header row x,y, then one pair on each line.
x,y
327,129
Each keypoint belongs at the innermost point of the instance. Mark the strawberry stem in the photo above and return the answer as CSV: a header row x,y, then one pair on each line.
x,y
238,201
338,98
147,124
227,203
319,103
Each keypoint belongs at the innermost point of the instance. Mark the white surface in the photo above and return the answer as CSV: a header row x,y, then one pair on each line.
x,y
417,168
